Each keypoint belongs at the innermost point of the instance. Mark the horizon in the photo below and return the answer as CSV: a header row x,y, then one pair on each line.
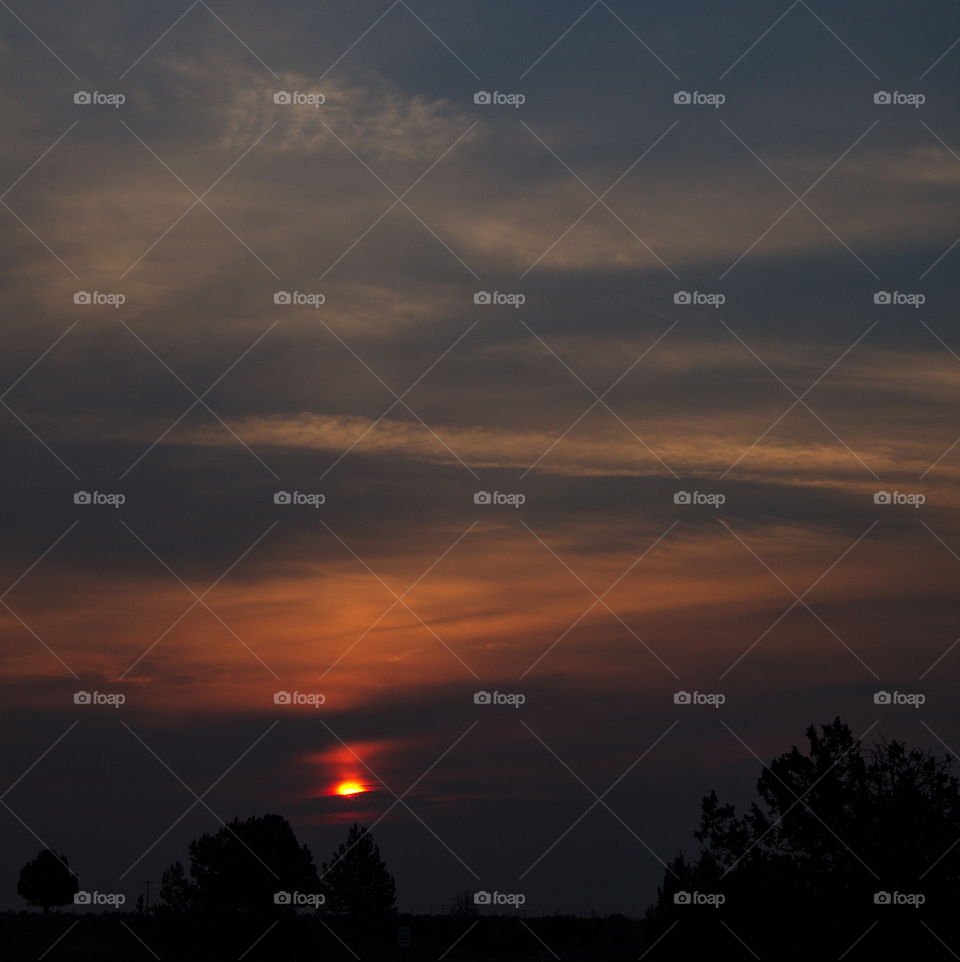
x,y
501,426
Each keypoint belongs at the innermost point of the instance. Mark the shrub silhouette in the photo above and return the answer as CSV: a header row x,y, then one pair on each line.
x,y
240,868
47,881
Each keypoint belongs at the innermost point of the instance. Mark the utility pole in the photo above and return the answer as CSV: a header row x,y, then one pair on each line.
x,y
147,881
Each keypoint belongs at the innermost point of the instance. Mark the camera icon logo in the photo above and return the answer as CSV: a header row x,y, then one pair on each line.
x,y
882,698
82,898
682,497
681,898
682,698
882,97
681,297
282,297
482,297
282,497
281,698
881,898
482,698
82,97
682,97
81,698
481,898
482,97
81,497
482,497
882,497
81,297
882,297
282,97
281,898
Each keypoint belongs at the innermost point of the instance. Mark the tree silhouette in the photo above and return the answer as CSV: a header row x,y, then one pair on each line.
x,y
47,880
802,868
356,882
240,869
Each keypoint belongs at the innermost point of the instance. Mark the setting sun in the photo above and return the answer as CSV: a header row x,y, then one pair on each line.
x,y
349,788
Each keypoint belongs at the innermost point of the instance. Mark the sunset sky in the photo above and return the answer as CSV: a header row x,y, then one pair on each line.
x,y
598,199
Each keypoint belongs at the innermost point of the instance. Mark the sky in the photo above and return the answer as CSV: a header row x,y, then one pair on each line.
x,y
584,396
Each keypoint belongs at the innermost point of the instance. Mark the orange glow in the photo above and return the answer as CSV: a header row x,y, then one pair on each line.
x,y
349,788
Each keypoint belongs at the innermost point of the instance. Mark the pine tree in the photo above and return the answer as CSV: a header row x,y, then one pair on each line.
x,y
356,882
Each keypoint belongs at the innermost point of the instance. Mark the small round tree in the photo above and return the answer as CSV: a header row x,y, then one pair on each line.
x,y
48,881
